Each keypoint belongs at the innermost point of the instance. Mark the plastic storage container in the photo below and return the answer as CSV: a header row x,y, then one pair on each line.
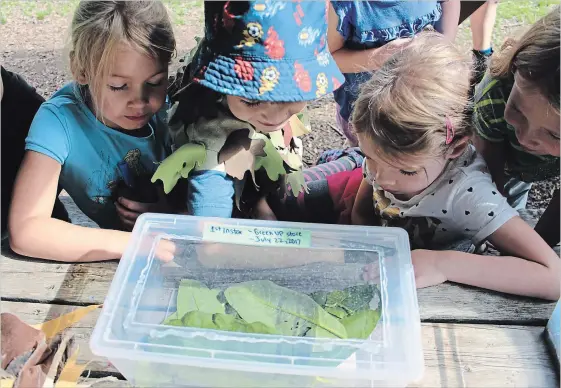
x,y
223,252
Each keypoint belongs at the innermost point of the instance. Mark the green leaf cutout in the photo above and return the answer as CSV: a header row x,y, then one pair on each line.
x,y
290,312
297,182
273,162
194,296
361,324
179,164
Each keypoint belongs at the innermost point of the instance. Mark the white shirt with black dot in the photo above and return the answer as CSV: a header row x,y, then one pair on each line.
x,y
462,203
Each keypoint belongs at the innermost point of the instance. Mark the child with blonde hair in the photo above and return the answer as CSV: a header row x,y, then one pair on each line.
x,y
421,174
99,136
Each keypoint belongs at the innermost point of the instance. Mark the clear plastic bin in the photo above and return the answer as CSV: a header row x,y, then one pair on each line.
x,y
223,252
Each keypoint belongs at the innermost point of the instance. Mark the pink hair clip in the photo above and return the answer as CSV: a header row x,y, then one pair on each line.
x,y
449,131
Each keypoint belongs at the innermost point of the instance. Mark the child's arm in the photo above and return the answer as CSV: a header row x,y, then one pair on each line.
x,y
548,225
210,194
34,233
532,270
363,207
351,61
448,23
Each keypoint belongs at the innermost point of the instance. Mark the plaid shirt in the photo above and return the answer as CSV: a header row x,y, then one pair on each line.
x,y
491,96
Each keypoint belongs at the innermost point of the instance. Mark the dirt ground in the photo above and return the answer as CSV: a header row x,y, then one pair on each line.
x,y
36,49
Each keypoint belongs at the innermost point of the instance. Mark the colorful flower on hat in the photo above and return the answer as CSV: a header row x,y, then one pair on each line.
x,y
307,35
302,77
269,8
274,47
323,58
243,69
252,34
269,79
322,83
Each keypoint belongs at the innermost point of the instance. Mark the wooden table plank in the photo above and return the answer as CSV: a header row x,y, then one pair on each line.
x,y
456,355
462,355
82,284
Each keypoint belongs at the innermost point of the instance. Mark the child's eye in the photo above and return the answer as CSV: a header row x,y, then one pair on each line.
x,y
553,135
117,88
251,103
155,84
408,173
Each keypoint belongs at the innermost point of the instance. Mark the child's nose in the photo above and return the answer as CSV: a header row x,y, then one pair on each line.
x,y
276,115
140,97
384,179
526,137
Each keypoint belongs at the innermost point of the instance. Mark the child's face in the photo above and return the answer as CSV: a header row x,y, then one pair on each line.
x,y
134,91
535,121
264,116
404,179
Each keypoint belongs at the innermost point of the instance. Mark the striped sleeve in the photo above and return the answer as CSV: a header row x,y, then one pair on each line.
x,y
488,114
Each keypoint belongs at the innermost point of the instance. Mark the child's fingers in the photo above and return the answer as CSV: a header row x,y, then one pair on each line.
x,y
165,251
134,206
126,214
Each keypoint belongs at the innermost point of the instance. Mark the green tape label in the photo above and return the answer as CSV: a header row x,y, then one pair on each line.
x,y
255,235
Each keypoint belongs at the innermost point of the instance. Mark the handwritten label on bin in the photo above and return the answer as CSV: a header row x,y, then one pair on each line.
x,y
255,235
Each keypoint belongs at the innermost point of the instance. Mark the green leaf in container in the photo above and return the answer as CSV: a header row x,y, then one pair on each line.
x,y
198,319
289,312
351,299
358,297
320,297
337,312
224,322
170,318
361,324
174,322
335,298
194,296
231,323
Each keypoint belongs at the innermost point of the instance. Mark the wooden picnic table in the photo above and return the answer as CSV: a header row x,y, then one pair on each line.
x,y
471,337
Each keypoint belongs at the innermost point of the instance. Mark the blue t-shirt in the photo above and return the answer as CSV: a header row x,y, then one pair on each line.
x,y
94,157
371,24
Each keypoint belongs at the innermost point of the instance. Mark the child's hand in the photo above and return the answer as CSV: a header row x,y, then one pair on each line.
x,y
129,210
425,266
427,272
165,251
263,211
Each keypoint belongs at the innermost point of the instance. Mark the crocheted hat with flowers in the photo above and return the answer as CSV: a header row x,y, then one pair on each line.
x,y
266,50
